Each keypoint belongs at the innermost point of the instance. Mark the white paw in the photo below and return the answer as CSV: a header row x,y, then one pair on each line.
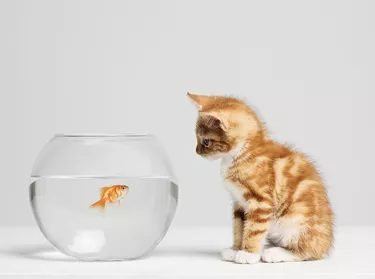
x,y
228,254
277,255
243,257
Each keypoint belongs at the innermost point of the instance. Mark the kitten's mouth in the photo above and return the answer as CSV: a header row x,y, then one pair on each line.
x,y
212,157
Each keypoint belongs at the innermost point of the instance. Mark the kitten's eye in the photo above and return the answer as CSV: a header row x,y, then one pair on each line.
x,y
206,142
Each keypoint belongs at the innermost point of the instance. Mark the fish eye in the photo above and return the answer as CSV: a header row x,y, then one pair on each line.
x,y
123,188
206,142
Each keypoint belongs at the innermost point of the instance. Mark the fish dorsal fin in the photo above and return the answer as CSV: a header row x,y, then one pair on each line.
x,y
102,191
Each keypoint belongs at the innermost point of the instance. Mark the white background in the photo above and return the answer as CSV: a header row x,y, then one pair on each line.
x,y
125,66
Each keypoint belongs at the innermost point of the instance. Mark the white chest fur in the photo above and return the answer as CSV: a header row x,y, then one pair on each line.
x,y
235,192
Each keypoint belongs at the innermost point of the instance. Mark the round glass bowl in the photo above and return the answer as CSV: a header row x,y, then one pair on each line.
x,y
103,197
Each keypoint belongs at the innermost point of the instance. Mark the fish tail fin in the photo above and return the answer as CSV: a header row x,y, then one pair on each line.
x,y
98,204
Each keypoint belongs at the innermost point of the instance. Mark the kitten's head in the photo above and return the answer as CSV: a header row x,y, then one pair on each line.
x,y
224,124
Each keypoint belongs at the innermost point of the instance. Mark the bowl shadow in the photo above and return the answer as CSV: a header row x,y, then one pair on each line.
x,y
38,252
49,253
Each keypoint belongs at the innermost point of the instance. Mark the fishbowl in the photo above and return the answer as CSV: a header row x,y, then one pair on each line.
x,y
103,197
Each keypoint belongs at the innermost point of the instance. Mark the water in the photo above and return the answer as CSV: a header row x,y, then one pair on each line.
x,y
125,231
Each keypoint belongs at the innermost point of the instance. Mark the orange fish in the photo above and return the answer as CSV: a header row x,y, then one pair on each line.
x,y
110,195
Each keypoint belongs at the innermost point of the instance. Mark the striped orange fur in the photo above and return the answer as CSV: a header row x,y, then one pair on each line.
x,y
278,194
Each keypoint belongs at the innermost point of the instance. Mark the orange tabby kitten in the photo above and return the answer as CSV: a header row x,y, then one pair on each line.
x,y
278,195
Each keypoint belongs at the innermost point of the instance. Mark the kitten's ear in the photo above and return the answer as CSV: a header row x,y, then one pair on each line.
x,y
216,120
200,100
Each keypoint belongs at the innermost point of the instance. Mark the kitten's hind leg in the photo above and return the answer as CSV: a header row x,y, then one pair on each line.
x,y
279,254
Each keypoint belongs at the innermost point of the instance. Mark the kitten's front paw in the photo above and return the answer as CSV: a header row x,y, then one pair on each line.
x,y
228,254
243,257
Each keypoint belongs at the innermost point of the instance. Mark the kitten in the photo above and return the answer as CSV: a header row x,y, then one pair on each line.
x,y
278,195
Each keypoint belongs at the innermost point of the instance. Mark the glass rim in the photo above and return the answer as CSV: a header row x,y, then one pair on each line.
x,y
100,135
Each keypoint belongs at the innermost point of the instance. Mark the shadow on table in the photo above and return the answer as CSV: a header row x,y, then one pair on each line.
x,y
49,253
38,252
184,252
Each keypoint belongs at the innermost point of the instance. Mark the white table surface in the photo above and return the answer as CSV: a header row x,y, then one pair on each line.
x,y
184,253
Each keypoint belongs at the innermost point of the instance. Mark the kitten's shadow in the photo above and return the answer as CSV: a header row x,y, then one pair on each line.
x,y
184,252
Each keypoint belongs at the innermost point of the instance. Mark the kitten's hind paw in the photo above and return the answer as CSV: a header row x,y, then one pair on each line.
x,y
243,257
228,254
277,255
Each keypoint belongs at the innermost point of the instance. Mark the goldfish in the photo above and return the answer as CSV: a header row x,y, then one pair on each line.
x,y
110,194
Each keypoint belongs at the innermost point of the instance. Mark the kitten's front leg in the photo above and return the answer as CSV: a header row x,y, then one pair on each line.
x,y
256,225
229,254
238,223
